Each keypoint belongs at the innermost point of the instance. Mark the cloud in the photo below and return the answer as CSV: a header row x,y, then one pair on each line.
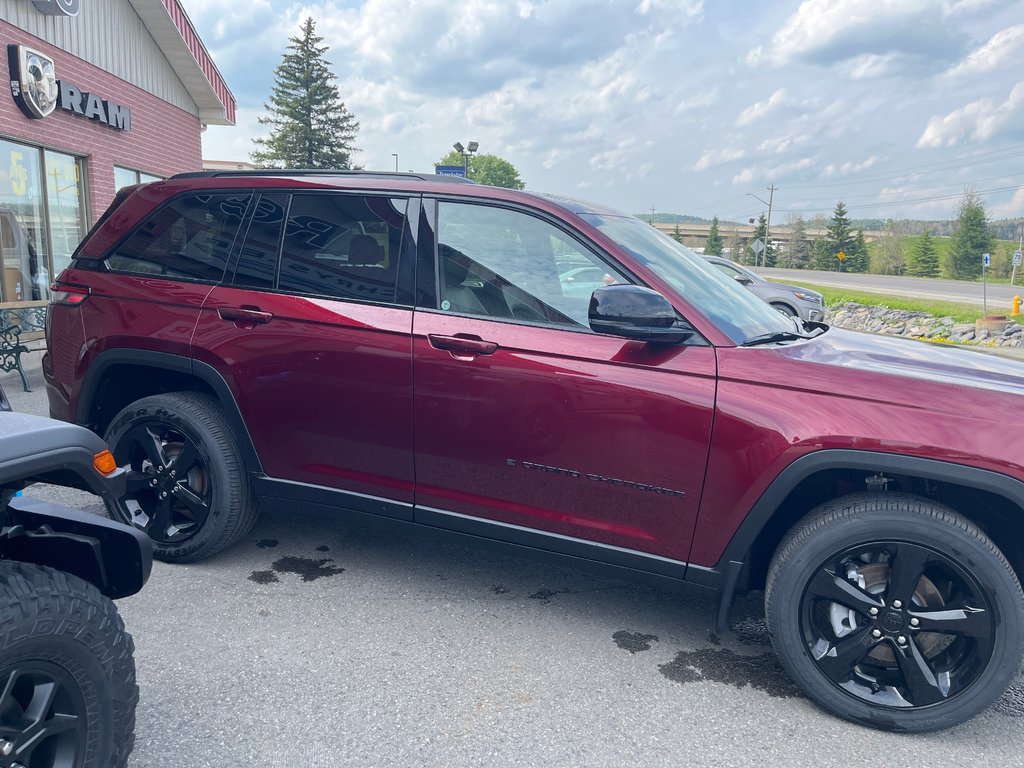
x,y
1011,207
761,108
999,50
980,120
763,172
714,157
847,168
832,31
697,101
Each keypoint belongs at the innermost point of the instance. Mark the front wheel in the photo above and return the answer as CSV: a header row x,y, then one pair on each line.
x,y
187,487
894,612
67,676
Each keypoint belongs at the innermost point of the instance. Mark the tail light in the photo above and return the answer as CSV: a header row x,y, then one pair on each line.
x,y
68,294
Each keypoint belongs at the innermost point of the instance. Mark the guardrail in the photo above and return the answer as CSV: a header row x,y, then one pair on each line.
x,y
22,329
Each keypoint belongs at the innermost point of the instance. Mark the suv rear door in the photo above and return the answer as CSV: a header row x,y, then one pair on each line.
x,y
529,423
311,332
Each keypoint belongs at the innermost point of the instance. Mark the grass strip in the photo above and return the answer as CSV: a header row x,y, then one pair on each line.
x,y
961,313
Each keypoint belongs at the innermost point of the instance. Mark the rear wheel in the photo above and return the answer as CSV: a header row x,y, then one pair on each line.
x,y
894,612
187,486
67,677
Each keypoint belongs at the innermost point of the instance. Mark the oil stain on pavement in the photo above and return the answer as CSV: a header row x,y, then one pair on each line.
x,y
547,594
634,642
720,665
266,543
304,567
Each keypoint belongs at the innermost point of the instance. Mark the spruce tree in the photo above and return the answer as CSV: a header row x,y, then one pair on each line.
x,y
767,256
857,259
924,259
714,245
840,237
971,239
799,252
310,126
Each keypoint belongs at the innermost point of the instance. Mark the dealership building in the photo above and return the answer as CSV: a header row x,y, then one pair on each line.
x,y
101,94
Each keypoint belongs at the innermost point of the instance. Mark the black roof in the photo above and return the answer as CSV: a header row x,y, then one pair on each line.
x,y
321,172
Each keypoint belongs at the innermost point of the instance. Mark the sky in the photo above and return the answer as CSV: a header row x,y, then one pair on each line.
x,y
684,106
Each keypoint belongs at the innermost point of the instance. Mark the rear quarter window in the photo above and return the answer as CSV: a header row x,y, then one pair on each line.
x,y
189,238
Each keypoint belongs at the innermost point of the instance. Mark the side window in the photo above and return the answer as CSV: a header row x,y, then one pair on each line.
x,y
257,258
342,245
507,264
191,238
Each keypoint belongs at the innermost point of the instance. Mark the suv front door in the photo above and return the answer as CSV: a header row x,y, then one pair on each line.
x,y
528,425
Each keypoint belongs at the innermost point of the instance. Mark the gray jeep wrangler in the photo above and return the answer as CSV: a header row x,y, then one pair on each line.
x,y
67,673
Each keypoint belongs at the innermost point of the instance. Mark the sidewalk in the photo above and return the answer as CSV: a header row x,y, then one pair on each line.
x,y
27,402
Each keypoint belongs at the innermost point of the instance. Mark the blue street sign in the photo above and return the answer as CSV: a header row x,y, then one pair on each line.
x,y
450,170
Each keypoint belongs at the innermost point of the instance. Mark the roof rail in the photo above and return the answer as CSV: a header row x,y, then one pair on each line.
x,y
320,172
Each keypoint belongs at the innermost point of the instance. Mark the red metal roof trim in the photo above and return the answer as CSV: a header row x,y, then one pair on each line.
x,y
202,56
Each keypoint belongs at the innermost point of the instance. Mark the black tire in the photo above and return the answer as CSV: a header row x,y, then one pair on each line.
x,y
187,487
67,658
785,309
894,612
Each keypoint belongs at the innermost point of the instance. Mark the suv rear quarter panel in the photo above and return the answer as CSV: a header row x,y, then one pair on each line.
x,y
122,312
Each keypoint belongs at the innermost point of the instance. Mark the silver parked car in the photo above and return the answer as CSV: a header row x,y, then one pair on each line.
x,y
788,299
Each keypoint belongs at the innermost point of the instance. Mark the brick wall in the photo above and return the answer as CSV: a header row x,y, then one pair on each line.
x,y
164,139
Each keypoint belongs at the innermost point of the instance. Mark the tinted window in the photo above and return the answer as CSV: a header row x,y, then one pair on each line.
x,y
508,264
342,246
191,237
257,258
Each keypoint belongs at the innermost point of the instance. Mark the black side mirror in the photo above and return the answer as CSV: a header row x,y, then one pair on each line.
x,y
636,312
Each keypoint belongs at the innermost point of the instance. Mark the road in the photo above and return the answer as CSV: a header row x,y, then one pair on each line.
x,y
317,643
1000,295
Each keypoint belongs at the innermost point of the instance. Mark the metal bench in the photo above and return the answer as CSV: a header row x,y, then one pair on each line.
x,y
22,329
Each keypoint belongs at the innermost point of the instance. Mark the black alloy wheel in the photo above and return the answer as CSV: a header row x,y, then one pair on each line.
x,y
897,624
169,488
187,484
894,611
42,716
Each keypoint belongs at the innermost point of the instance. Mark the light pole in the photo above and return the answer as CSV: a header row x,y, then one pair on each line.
x,y
466,152
395,155
768,221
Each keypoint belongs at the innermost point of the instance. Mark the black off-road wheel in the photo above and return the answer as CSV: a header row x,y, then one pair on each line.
x,y
67,676
895,612
187,485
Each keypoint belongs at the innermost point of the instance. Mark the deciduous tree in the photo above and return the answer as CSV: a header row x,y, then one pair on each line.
x,y
487,169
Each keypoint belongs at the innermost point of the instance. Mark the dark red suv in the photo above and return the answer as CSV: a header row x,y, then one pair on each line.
x,y
562,378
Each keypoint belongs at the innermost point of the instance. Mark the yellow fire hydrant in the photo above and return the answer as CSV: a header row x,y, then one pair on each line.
x,y
1016,306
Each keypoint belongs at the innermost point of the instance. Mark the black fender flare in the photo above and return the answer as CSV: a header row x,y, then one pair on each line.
x,y
179,364
114,557
725,573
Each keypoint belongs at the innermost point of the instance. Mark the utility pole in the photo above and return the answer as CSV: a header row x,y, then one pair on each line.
x,y
651,222
767,223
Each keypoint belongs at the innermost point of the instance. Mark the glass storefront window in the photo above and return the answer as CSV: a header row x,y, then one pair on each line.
x,y
22,224
67,215
42,218
125,177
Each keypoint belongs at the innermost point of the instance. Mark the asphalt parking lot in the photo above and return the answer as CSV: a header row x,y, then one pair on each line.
x,y
319,643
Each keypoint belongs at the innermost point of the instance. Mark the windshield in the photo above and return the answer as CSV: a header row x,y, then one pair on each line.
x,y
730,306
